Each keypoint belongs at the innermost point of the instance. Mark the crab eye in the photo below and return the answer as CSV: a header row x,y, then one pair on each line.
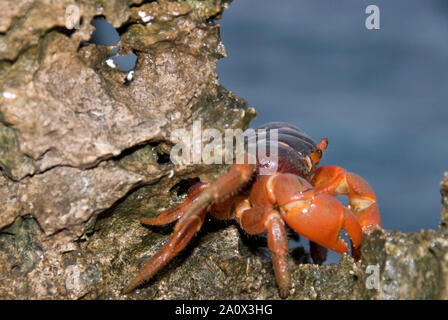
x,y
309,163
316,155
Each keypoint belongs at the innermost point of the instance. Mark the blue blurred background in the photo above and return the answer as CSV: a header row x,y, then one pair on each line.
x,y
380,96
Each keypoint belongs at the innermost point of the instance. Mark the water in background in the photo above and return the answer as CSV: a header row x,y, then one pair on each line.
x,y
380,96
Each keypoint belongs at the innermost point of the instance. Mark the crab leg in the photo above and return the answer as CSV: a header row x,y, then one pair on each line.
x,y
337,181
183,232
257,220
221,189
174,213
278,244
190,215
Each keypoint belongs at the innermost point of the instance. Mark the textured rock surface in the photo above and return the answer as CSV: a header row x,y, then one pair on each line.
x,y
63,110
76,136
444,192
84,155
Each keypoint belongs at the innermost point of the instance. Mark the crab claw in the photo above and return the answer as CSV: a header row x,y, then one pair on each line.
x,y
337,181
318,217
321,220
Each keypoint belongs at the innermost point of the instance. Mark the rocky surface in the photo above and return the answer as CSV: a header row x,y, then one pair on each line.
x,y
65,112
84,154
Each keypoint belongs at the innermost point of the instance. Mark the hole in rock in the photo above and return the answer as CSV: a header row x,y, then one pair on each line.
x,y
183,185
163,158
105,34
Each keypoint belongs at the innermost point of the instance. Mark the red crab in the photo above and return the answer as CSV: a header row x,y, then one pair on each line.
x,y
298,193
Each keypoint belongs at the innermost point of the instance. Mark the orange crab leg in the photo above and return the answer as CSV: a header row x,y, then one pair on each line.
x,y
221,189
174,213
251,219
183,232
337,181
278,244
190,217
255,221
224,210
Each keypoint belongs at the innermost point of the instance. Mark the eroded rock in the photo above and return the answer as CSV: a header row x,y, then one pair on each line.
x,y
63,106
76,135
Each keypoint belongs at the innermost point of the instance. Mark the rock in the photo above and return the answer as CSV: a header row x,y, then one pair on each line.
x,y
444,193
64,112
84,153
76,136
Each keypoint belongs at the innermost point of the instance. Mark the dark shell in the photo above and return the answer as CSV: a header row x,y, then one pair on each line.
x,y
294,145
